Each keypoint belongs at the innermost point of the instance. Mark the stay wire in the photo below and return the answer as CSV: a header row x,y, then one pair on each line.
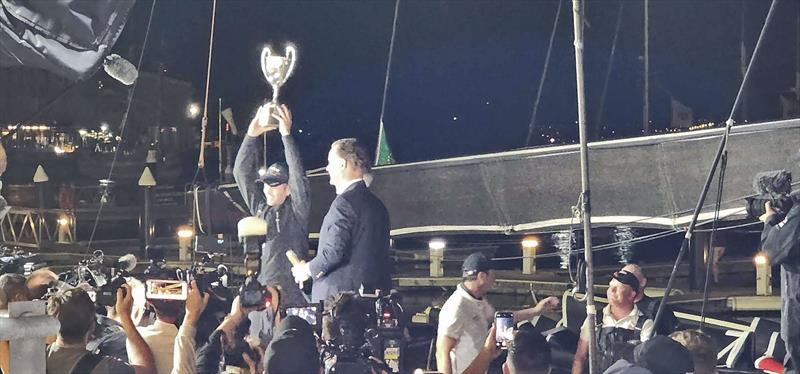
x,y
711,249
204,122
722,148
532,124
381,129
123,125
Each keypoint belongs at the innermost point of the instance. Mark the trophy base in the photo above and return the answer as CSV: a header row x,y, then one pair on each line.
x,y
267,121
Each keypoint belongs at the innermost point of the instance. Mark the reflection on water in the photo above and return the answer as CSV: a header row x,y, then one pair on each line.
x,y
623,235
564,242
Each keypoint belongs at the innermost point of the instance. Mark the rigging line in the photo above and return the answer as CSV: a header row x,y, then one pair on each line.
x,y
610,65
711,250
531,125
386,78
742,87
204,124
123,124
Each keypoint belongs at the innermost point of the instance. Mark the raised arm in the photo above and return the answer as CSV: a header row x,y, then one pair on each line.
x,y
245,168
140,356
298,183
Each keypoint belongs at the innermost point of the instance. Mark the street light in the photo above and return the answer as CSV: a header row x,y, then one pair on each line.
x,y
529,245
436,252
763,274
185,232
437,244
193,110
185,235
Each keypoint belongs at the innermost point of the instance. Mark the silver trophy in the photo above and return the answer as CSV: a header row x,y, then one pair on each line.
x,y
277,70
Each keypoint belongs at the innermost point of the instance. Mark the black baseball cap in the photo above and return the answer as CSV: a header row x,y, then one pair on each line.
x,y
475,263
293,349
276,174
662,355
628,278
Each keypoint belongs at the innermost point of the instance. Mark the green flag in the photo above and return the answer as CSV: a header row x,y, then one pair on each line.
x,y
383,155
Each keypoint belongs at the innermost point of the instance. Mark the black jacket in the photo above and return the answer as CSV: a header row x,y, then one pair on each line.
x,y
353,245
780,240
287,224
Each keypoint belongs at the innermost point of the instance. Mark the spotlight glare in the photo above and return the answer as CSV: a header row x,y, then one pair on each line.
x,y
437,244
760,259
185,232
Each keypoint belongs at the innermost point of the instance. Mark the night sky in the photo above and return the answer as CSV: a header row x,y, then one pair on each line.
x,y
465,73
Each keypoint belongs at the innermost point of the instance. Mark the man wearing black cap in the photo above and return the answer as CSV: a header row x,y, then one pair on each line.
x,y
284,201
466,316
620,328
293,350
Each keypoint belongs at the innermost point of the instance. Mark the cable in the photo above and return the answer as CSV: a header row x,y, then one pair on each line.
x,y
122,129
711,249
204,124
201,160
721,150
386,79
531,125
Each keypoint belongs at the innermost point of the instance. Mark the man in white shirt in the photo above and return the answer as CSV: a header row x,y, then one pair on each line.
x,y
160,336
466,316
621,328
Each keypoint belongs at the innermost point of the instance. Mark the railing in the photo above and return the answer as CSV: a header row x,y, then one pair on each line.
x,y
29,227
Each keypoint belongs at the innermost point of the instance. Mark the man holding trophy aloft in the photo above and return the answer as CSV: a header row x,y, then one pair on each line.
x,y
280,194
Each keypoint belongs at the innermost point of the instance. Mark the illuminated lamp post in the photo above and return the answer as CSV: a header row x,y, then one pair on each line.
x,y
763,275
529,246
436,250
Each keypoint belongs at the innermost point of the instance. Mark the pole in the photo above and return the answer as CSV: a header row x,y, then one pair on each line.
x,y
146,226
721,149
147,217
743,55
40,186
586,203
646,94
219,124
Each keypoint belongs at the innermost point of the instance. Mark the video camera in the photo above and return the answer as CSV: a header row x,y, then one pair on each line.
x,y
252,234
103,277
774,186
363,326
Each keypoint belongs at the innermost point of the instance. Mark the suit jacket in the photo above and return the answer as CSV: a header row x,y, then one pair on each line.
x,y
353,245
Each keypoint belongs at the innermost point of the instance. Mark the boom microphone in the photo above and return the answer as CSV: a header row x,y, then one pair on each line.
x,y
120,69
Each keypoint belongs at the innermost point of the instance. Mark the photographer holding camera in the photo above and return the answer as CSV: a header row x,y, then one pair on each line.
x,y
76,313
780,241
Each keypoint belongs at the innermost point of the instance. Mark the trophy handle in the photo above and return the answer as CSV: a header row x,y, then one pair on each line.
x,y
266,52
291,54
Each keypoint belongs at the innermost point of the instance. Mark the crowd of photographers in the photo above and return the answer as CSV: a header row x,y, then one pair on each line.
x,y
141,335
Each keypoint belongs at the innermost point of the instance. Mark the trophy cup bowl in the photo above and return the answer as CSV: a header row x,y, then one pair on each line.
x,y
276,70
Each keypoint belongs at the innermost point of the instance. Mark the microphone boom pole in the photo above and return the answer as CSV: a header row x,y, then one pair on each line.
x,y
721,152
586,202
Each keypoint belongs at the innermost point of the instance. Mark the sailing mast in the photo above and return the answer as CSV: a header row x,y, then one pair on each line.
x,y
646,94
586,206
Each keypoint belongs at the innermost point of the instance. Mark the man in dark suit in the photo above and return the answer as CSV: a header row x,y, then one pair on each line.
x,y
354,237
